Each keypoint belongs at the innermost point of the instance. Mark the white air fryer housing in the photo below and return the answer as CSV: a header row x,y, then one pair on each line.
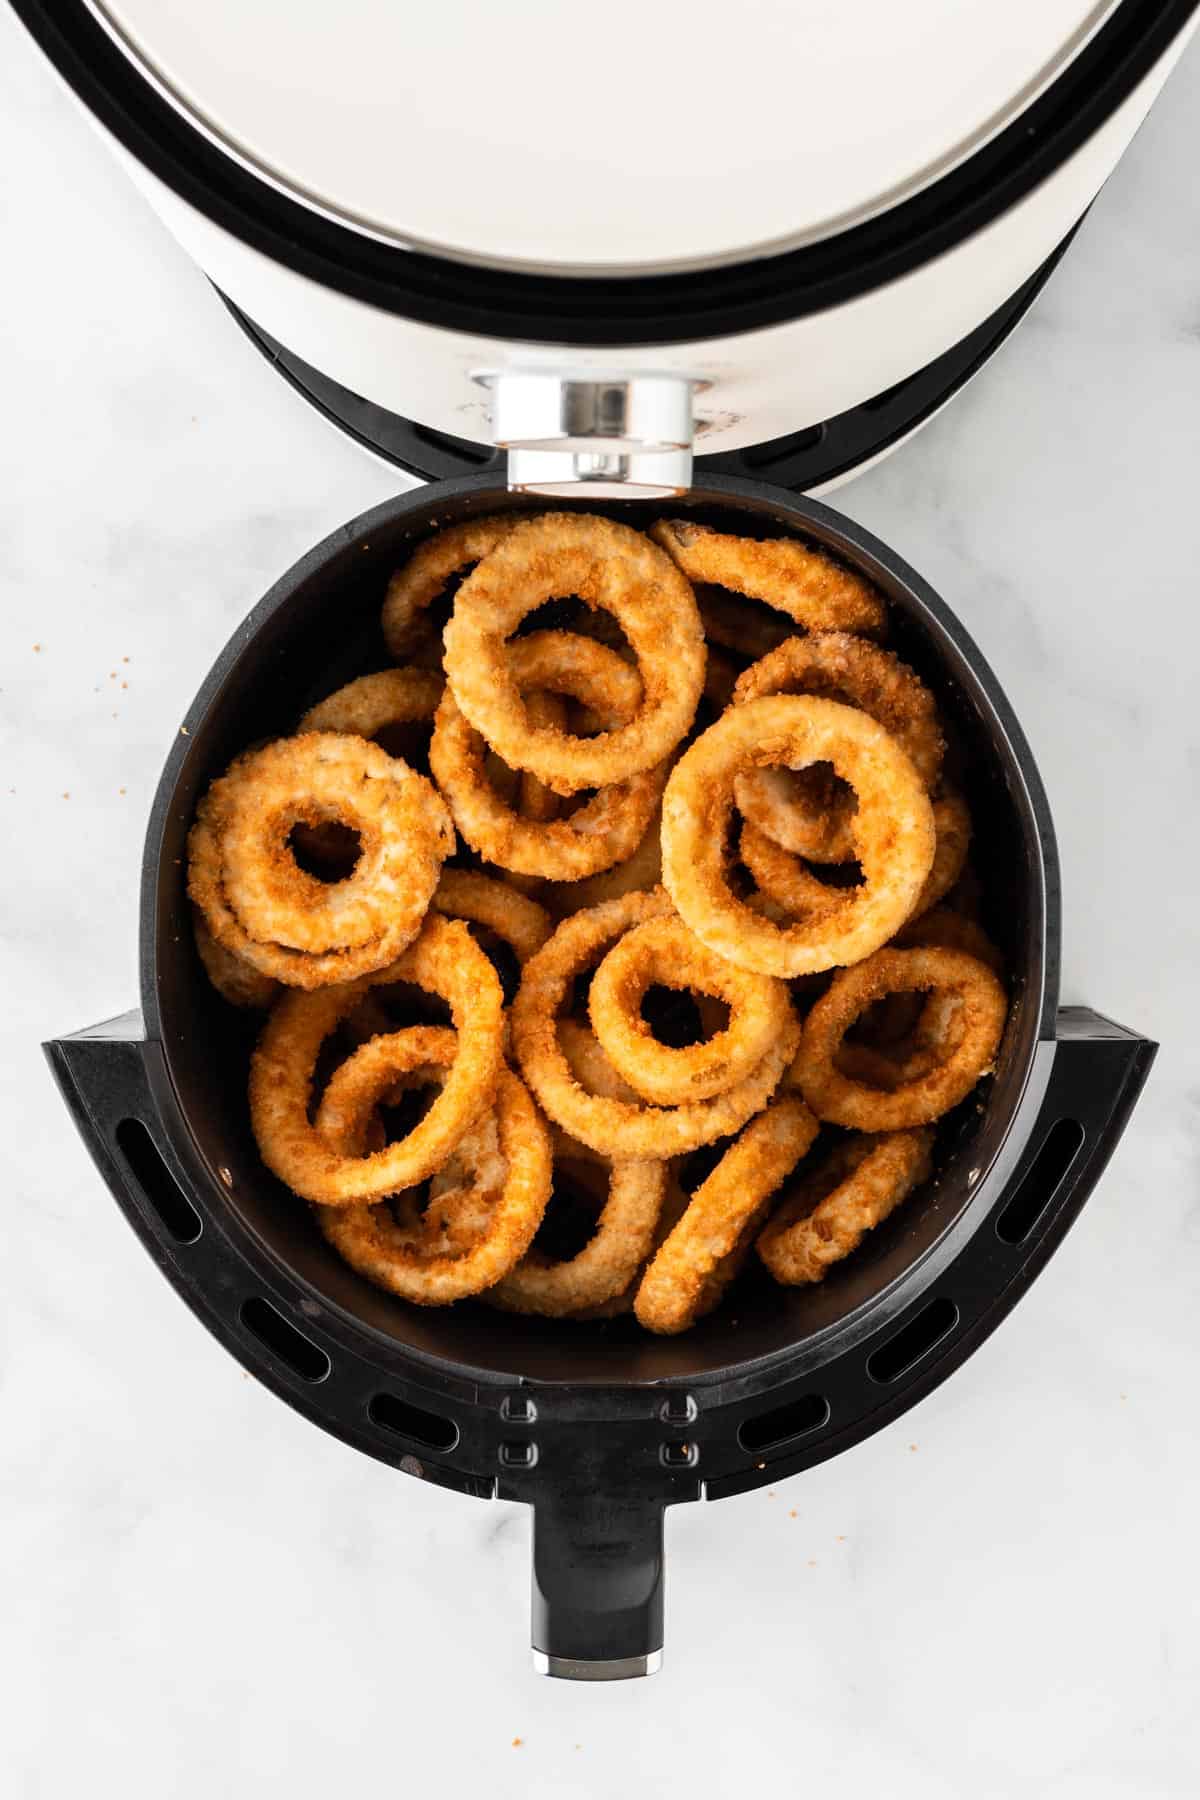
x,y
913,164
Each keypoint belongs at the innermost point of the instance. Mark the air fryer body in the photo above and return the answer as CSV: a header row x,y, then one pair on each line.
x,y
779,343
598,1427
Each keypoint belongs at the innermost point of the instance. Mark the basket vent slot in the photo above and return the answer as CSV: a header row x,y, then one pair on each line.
x,y
1041,1181
268,1325
174,1210
913,1341
767,1430
426,1428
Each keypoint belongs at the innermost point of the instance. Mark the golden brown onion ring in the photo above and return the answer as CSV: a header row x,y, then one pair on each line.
x,y
809,586
663,952
722,1216
610,1126
515,1190
371,704
445,960
416,585
257,901
607,565
830,1211
894,831
480,900
609,827
235,979
837,666
968,1031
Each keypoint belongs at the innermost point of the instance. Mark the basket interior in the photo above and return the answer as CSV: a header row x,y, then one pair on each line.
x,y
326,630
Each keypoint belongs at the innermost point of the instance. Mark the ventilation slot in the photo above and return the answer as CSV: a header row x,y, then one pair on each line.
x,y
768,1430
280,1336
1041,1181
172,1207
915,1340
428,1429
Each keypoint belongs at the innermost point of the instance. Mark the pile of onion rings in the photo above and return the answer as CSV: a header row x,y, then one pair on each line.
x,y
624,903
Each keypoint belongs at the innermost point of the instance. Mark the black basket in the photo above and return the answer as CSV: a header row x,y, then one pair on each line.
x,y
599,1426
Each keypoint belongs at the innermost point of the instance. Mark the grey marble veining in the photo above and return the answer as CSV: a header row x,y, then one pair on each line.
x,y
202,1594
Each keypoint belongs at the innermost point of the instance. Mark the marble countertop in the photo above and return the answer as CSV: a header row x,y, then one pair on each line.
x,y
997,1595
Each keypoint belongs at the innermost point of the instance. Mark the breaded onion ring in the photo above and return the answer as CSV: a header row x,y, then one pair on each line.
x,y
415,586
590,1067
722,1216
607,565
951,931
806,584
952,823
729,622
837,666
517,1189
970,1038
520,922
369,705
235,979
606,1265
830,1211
257,901
609,827
639,872
445,960
614,1127
663,952
894,833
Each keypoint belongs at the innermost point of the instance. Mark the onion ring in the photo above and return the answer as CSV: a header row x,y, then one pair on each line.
x,y
371,1242
641,871
590,1067
609,827
445,960
614,1127
260,905
949,931
952,823
610,1259
235,979
663,952
735,626
607,565
414,587
827,1215
806,584
894,833
365,707
464,894
722,1216
981,1006
837,666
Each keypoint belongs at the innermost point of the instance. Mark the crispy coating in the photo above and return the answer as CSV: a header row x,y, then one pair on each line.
x,y
607,565
516,1182
820,824
722,1217
614,1127
809,586
968,1028
828,1213
952,824
261,906
370,704
638,873
445,960
604,831
664,952
894,833
417,584
481,900
235,979
608,1262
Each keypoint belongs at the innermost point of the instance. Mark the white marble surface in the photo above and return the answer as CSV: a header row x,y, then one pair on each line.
x,y
203,1594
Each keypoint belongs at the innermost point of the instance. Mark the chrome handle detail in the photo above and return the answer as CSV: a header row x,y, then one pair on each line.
x,y
620,437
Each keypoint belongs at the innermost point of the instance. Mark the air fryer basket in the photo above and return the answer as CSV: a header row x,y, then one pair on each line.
x,y
597,1426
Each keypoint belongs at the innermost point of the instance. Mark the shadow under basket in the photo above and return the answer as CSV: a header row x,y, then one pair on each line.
x,y
599,1427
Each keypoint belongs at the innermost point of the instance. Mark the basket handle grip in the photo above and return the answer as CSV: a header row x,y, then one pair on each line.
x,y
597,1585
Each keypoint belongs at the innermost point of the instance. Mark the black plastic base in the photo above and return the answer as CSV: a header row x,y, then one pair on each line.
x,y
597,1464
804,460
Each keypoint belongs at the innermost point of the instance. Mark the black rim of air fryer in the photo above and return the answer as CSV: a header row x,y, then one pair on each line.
x,y
612,310
803,460
272,623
